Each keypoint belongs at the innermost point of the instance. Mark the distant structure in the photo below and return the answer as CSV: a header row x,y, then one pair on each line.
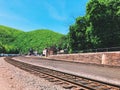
x,y
45,52
35,53
52,50
49,51
32,52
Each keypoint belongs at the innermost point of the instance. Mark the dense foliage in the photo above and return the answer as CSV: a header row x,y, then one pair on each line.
x,y
99,28
7,36
37,40
16,41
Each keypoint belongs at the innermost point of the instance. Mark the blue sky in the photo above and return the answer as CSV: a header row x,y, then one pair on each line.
x,y
29,15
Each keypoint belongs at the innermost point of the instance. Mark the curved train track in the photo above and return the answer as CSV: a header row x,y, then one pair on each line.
x,y
68,81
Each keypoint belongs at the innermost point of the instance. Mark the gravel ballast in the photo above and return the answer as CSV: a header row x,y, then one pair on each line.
x,y
13,78
102,73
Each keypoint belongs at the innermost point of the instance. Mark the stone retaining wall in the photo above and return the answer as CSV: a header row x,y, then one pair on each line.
x,y
107,58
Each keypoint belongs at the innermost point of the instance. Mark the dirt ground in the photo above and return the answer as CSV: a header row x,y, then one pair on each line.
x,y
4,85
6,82
13,78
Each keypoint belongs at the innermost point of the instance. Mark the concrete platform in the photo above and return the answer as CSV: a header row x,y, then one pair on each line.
x,y
101,73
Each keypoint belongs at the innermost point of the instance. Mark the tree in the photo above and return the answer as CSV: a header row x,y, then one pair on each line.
x,y
63,43
104,19
2,49
77,37
99,28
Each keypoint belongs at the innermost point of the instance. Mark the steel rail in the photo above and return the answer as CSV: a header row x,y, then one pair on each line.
x,y
76,80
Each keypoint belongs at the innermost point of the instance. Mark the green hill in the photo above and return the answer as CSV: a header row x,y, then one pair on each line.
x,y
7,36
38,40
15,40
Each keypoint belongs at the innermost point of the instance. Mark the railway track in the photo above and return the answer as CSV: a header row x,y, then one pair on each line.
x,y
68,81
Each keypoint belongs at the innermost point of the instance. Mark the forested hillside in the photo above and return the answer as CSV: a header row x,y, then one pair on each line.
x,y
37,40
99,28
7,36
16,41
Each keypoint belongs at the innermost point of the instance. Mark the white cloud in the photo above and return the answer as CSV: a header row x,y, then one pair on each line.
x,y
11,16
16,21
55,13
